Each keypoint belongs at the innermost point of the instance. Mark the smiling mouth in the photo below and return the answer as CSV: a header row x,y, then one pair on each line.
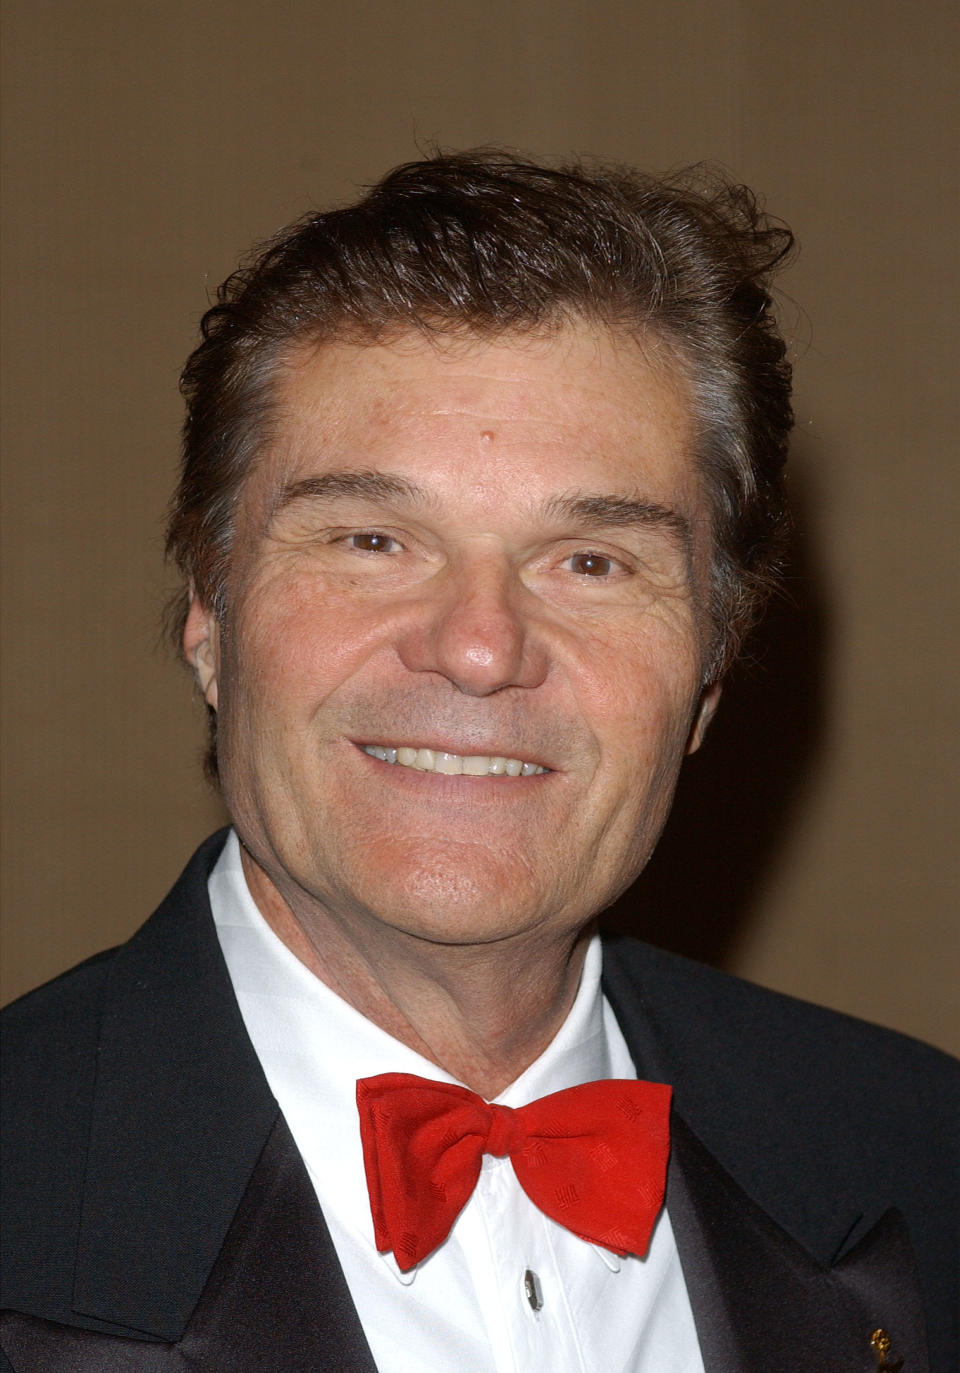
x,y
453,764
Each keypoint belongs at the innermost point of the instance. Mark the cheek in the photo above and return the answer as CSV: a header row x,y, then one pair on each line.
x,y
639,691
299,645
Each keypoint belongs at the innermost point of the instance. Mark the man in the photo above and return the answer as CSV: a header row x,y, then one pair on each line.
x,y
482,486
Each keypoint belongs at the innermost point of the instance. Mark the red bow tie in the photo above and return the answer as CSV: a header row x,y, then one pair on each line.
x,y
593,1158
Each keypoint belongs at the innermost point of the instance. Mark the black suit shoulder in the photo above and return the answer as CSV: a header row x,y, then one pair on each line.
x,y
48,1051
764,1043
52,1011
694,995
138,1053
47,1075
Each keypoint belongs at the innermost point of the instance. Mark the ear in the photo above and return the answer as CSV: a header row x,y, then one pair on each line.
x,y
201,647
706,709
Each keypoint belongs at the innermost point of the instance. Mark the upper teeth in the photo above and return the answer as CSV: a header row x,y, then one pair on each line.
x,y
453,764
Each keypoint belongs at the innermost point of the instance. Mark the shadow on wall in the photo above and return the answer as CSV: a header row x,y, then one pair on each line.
x,y
739,795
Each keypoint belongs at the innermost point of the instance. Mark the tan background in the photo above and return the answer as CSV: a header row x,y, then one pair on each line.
x,y
149,143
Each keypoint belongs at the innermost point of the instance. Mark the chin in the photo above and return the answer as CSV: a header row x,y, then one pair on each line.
x,y
446,901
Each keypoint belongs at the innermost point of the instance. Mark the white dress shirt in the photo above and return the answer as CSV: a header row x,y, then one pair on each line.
x,y
468,1305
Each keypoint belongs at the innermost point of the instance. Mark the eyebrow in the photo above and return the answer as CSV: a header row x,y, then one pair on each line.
x,y
585,508
624,512
367,485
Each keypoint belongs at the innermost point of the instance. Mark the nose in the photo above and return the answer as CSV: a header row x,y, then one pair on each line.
x,y
474,628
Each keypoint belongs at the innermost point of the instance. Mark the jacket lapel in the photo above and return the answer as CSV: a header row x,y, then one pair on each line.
x,y
201,1243
784,1268
275,1299
180,1116
760,1300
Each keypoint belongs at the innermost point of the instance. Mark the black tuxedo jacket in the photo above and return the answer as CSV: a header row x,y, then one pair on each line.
x,y
159,1216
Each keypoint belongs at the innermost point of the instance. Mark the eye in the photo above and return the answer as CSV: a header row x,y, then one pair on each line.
x,y
372,541
592,564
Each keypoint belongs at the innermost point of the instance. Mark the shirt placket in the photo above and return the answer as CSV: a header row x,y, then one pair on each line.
x,y
528,1320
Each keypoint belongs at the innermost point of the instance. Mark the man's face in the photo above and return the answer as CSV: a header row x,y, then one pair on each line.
x,y
484,550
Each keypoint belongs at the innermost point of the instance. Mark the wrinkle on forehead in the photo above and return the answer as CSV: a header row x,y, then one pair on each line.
x,y
369,407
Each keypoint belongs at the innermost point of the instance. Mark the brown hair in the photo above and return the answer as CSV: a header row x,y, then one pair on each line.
x,y
485,242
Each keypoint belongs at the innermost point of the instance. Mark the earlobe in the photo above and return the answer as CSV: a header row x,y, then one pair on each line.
x,y
201,648
706,709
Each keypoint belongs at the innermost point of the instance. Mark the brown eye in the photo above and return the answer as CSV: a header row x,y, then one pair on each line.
x,y
591,565
369,541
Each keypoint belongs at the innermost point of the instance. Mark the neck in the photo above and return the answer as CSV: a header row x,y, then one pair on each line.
x,y
482,1012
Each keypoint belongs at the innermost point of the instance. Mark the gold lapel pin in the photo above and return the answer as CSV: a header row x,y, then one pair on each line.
x,y
880,1344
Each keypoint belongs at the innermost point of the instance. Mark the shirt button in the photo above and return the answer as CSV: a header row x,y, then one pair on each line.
x,y
531,1286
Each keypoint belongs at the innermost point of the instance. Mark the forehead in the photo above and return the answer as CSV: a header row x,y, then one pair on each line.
x,y
579,406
